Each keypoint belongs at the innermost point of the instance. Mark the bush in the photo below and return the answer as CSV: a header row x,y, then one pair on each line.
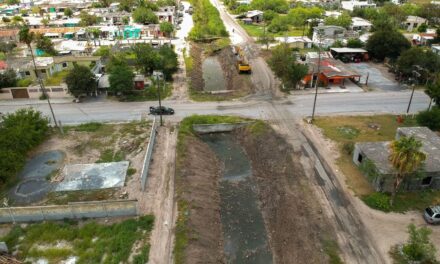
x,y
207,21
24,82
20,132
379,201
348,148
430,118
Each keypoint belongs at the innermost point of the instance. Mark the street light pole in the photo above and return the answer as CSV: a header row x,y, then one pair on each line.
x,y
317,77
416,76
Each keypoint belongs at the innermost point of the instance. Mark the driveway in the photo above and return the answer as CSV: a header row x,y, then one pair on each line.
x,y
379,77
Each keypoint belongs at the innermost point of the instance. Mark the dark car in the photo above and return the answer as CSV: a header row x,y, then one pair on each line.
x,y
161,110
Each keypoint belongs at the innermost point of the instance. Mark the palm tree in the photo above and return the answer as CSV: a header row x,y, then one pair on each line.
x,y
406,158
27,37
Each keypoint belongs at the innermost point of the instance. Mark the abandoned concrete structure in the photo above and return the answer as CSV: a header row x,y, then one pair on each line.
x,y
372,159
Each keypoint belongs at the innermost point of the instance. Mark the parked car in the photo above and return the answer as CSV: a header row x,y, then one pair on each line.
x,y
432,214
161,110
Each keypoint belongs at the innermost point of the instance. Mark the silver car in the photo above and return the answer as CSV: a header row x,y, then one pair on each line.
x,y
432,214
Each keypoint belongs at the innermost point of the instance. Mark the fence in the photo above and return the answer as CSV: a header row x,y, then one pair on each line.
x,y
77,210
150,146
33,92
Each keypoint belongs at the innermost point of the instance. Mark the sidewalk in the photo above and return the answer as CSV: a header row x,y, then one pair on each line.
x,y
15,102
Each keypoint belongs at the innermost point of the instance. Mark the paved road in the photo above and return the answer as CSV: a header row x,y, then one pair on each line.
x,y
327,104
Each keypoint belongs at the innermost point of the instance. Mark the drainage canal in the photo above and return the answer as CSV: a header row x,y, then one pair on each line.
x,y
244,233
213,75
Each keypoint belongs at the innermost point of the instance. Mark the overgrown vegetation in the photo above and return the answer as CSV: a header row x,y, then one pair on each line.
x,y
20,132
56,79
207,22
91,242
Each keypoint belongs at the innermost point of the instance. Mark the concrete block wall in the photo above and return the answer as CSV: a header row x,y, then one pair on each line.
x,y
77,210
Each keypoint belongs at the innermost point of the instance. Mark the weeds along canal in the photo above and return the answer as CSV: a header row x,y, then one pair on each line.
x,y
244,231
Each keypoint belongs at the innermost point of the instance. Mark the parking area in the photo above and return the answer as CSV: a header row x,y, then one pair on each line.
x,y
378,76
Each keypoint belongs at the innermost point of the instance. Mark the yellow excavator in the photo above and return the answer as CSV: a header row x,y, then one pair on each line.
x,y
243,65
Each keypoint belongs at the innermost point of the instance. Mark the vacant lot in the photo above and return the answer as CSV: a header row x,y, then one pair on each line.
x,y
88,242
97,142
297,232
344,131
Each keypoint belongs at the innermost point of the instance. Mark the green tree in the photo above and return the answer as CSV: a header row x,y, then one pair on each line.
x,y
418,248
279,6
433,91
269,15
344,20
12,2
430,118
45,22
355,43
278,24
16,21
387,43
68,12
36,10
168,62
144,15
103,51
406,158
422,28
8,78
394,12
283,63
80,80
45,44
299,15
126,5
121,79
87,19
147,58
167,28
418,56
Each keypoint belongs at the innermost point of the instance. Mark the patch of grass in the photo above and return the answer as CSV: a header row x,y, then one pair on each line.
x,y
181,240
189,63
187,123
91,242
217,45
56,78
149,94
331,248
131,171
257,30
109,155
405,201
80,196
87,127
346,130
142,258
258,128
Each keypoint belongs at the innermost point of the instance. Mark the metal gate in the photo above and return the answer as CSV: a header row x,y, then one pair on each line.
x,y
19,93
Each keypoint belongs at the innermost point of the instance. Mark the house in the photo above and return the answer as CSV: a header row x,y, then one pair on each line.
x,y
360,24
166,14
331,71
334,14
327,35
255,15
296,42
413,22
114,18
436,49
423,39
349,54
375,154
351,5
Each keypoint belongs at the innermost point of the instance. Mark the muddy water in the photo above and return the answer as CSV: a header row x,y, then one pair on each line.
x,y
244,233
213,75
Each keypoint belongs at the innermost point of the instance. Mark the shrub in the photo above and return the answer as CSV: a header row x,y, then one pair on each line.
x,y
20,132
24,82
379,201
131,171
430,118
348,148
207,21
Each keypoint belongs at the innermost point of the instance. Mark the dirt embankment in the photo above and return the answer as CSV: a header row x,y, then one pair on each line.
x,y
240,84
198,184
296,226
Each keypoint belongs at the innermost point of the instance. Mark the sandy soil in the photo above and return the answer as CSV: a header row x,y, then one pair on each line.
x,y
198,183
294,218
386,229
159,196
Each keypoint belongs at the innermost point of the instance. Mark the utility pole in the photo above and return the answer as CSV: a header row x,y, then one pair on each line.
x,y
159,75
416,75
319,69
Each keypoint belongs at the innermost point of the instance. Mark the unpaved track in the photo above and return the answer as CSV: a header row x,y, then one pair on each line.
x,y
160,188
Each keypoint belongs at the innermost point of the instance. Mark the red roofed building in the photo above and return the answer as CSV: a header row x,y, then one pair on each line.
x,y
3,65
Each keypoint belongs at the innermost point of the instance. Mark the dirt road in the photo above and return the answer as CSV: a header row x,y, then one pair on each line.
x,y
160,196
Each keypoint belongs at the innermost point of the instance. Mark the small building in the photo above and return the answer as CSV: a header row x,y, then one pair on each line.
x,y
376,156
255,15
327,35
296,42
351,5
139,82
349,54
360,24
331,72
423,39
413,22
436,49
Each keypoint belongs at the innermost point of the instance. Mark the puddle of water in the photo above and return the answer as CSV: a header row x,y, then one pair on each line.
x,y
213,75
244,233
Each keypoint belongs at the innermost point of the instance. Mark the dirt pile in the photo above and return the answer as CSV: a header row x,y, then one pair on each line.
x,y
296,226
234,80
198,184
196,74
